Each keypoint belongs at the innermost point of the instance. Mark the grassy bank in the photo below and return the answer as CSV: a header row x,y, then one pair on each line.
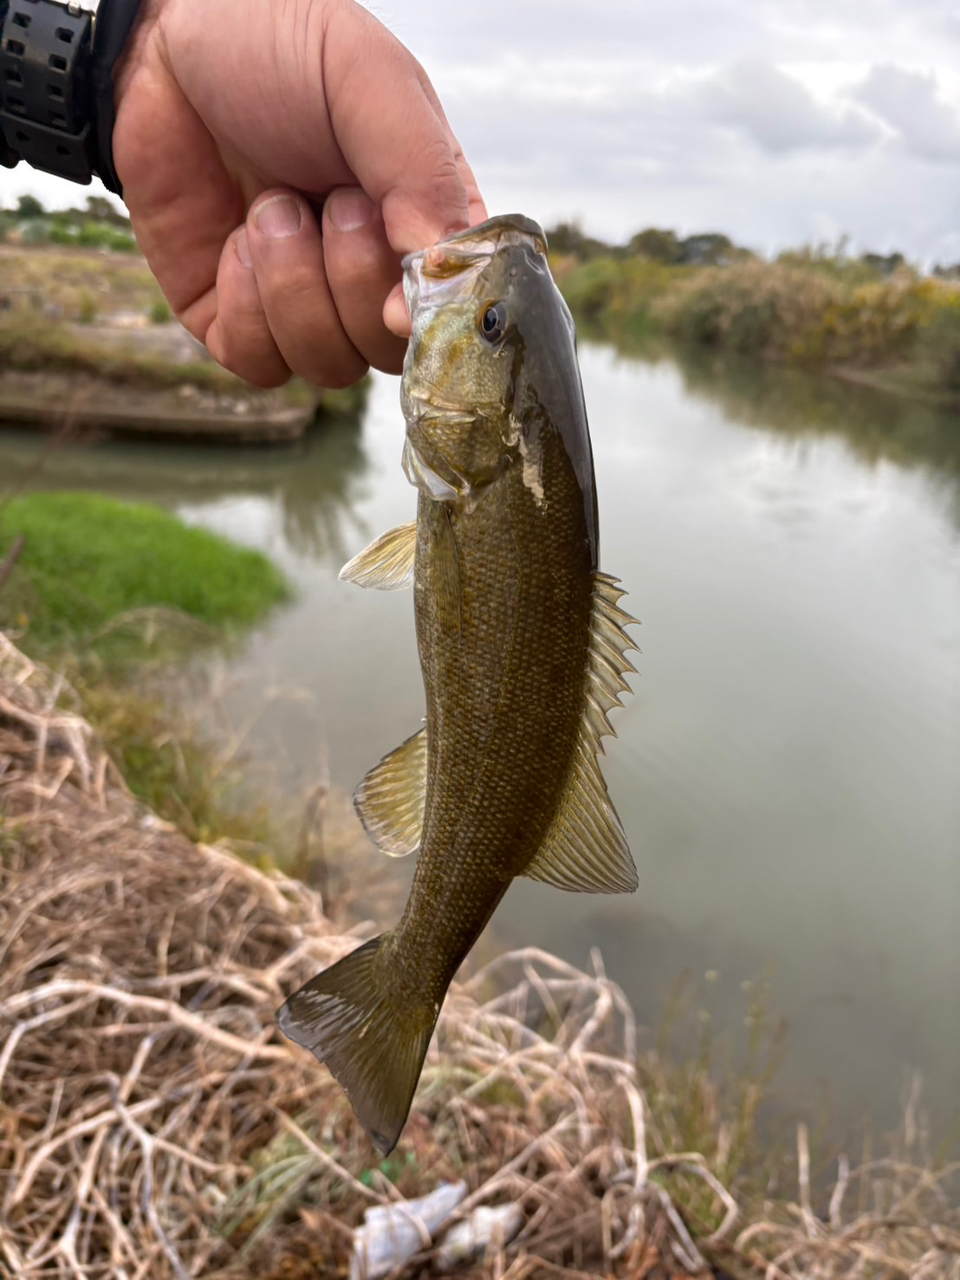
x,y
810,310
30,344
87,562
101,314
118,595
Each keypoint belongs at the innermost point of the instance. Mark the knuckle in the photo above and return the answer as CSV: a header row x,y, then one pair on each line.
x,y
236,353
444,185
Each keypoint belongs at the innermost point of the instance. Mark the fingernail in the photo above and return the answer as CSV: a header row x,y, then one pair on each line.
x,y
350,209
278,217
242,246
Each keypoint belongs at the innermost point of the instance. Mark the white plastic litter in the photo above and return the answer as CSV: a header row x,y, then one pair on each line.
x,y
393,1233
469,1239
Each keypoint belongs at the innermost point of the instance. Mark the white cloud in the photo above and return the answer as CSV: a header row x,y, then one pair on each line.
x,y
909,103
779,114
776,121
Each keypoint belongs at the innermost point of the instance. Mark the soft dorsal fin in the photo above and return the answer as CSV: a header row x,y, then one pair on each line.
x,y
390,799
387,564
585,849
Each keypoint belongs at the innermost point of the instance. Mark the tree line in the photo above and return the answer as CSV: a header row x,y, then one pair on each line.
x,y
714,249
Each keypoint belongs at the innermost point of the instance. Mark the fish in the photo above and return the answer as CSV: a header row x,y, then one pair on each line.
x,y
523,648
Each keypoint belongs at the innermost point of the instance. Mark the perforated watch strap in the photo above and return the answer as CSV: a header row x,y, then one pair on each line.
x,y
45,58
8,157
56,85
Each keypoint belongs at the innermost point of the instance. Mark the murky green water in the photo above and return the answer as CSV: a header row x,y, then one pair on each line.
x,y
789,769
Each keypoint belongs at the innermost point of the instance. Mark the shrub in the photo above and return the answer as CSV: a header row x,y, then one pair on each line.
x,y
87,308
160,312
938,343
589,289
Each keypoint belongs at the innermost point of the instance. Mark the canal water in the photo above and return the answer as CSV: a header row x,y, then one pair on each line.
x,y
788,769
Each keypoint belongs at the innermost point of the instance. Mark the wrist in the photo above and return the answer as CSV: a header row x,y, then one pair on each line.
x,y
56,85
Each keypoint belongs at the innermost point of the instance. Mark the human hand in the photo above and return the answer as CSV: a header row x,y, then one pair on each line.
x,y
236,120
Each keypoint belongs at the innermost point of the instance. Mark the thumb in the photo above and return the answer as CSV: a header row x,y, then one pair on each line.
x,y
406,224
394,137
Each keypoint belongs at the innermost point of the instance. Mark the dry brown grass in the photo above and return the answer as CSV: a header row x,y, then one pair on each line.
x,y
153,1122
65,276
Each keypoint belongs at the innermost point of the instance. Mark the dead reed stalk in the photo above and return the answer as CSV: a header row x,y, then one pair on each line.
x,y
155,1125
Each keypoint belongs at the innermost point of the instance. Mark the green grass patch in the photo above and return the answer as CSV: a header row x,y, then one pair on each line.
x,y
89,560
160,312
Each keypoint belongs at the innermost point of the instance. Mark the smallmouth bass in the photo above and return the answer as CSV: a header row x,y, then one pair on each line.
x,y
522,647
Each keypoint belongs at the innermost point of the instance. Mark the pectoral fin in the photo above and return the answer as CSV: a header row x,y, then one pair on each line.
x,y
390,799
585,849
386,564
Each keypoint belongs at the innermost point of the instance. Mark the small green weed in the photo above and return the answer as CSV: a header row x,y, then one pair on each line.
x,y
160,312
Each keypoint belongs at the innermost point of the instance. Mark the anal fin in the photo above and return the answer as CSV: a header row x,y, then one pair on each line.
x,y
387,564
585,849
390,799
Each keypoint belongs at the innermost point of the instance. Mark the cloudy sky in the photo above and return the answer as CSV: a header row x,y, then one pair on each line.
x,y
776,121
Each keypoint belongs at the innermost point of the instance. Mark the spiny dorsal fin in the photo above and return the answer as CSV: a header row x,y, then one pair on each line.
x,y
585,849
390,799
386,564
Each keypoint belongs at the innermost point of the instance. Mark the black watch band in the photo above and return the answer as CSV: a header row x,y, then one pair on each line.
x,y
56,85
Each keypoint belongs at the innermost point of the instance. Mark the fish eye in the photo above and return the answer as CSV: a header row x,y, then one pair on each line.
x,y
493,322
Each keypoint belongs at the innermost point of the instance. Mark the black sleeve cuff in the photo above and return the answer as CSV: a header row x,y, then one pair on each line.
x,y
114,23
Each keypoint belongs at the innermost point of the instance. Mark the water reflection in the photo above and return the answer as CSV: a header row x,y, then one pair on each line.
x,y
876,425
313,484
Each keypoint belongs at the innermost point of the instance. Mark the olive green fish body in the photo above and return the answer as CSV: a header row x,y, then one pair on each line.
x,y
522,649
503,668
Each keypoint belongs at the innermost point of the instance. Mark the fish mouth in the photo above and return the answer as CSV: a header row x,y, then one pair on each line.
x,y
448,270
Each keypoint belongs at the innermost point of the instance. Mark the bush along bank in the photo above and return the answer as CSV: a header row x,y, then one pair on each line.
x,y
899,331
88,341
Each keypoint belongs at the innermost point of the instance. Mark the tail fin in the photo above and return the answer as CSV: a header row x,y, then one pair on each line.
x,y
372,1039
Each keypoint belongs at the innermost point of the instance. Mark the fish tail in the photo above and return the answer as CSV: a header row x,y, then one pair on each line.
x,y
373,1039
